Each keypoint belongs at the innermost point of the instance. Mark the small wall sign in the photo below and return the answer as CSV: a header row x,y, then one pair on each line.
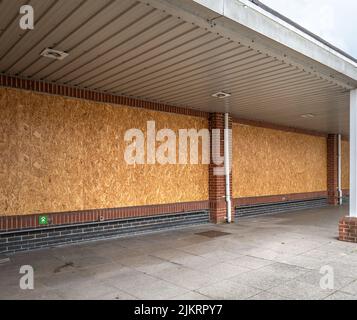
x,y
43,220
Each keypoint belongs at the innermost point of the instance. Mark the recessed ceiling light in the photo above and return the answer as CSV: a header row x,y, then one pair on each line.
x,y
308,116
54,54
221,95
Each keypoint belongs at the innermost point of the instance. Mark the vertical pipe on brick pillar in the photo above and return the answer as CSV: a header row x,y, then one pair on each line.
x,y
227,166
353,153
339,171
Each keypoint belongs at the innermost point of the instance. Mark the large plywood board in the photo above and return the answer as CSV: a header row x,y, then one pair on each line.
x,y
272,162
345,164
60,154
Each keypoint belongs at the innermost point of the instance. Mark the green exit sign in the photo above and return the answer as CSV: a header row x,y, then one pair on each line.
x,y
43,220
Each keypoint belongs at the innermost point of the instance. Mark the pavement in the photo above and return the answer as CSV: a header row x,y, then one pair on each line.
x,y
291,256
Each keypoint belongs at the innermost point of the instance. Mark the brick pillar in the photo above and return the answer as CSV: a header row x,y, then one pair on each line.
x,y
332,169
348,229
217,183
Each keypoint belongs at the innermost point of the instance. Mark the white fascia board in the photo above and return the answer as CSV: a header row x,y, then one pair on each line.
x,y
214,5
257,19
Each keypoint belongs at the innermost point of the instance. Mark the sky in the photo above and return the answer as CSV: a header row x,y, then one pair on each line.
x,y
333,20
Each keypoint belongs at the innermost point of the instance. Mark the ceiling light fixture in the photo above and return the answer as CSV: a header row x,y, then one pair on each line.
x,y
54,54
221,95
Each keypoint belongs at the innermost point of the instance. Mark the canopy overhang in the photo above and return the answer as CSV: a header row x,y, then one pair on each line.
x,y
181,53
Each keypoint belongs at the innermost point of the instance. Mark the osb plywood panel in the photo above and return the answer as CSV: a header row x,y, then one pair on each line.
x,y
60,154
345,164
271,162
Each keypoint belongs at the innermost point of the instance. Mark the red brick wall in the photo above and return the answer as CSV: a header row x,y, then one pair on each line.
x,y
80,93
348,229
332,168
217,184
8,223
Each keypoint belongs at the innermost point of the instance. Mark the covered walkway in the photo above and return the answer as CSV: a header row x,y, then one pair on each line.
x,y
276,100
271,257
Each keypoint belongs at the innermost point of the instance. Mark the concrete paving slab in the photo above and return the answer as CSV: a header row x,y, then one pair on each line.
x,y
339,295
304,262
314,277
191,296
185,277
296,290
351,288
222,271
221,256
264,295
103,272
250,262
266,254
144,286
194,262
284,271
262,280
227,290
92,290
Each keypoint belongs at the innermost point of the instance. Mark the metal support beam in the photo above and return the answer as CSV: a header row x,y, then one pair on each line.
x,y
353,154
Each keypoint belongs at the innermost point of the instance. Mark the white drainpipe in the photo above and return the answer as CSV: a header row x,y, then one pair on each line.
x,y
339,171
227,169
353,154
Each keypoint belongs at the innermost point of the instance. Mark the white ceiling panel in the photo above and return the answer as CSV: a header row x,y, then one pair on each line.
x,y
132,48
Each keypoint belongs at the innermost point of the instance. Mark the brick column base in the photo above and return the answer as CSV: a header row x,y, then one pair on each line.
x,y
218,211
217,183
348,229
